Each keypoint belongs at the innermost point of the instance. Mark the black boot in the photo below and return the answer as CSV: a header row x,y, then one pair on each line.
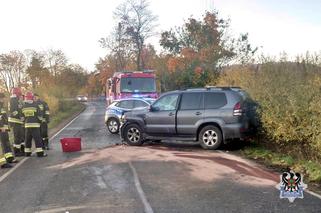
x,y
6,166
41,154
14,161
22,149
17,152
27,154
46,144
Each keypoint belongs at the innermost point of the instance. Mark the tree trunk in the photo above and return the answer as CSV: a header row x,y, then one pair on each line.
x,y
138,61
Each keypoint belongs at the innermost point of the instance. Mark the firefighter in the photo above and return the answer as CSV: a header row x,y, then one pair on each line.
x,y
15,121
44,124
32,117
4,136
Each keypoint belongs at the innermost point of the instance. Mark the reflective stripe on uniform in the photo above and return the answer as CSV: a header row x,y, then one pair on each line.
x,y
29,109
47,113
14,120
4,128
2,161
39,150
32,125
18,146
8,155
3,111
28,150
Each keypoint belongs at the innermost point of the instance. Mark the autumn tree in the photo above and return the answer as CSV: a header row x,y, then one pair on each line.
x,y
200,48
37,73
138,22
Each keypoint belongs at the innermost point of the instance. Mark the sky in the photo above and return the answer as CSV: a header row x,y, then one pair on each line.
x,y
75,26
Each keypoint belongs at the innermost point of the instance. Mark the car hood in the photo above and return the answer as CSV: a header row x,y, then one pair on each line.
x,y
137,112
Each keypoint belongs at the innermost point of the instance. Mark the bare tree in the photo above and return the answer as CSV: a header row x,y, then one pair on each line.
x,y
55,61
139,24
119,46
12,69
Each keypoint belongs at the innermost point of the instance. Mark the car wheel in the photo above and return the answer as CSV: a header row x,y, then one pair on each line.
x,y
113,125
210,137
133,135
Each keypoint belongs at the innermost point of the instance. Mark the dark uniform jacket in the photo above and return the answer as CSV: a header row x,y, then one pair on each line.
x,y
44,110
32,115
15,111
3,120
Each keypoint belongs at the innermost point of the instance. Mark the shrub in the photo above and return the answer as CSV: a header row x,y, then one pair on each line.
x,y
289,95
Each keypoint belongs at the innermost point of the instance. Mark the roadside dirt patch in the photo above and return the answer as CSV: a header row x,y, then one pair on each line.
x,y
203,165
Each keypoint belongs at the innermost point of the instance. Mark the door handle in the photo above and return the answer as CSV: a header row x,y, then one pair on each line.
x,y
171,114
198,113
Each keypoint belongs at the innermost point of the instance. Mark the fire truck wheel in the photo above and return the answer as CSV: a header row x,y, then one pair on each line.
x,y
113,125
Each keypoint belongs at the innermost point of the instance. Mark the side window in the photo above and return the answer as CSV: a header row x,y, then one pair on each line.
x,y
191,101
127,104
140,104
214,100
167,102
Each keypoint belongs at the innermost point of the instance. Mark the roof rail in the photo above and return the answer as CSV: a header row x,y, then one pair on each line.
x,y
222,88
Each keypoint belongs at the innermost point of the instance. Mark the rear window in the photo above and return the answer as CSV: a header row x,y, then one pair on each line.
x,y
127,104
140,104
214,100
191,101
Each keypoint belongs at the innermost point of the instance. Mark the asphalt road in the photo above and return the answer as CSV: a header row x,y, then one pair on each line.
x,y
104,177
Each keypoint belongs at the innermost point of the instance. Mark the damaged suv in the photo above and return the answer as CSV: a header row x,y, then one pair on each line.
x,y
211,115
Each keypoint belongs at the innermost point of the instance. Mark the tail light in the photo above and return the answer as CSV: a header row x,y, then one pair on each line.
x,y
237,110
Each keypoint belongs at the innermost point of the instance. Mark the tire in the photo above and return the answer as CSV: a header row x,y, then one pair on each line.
x,y
210,137
133,135
113,125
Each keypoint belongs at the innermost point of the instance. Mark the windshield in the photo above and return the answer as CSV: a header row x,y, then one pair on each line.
x,y
137,85
150,101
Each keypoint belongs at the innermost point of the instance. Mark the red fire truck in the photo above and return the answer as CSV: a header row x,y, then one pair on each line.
x,y
127,84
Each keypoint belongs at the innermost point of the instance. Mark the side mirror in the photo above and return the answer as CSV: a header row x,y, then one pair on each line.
x,y
153,109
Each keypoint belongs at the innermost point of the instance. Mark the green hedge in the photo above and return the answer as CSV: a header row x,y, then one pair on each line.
x,y
289,95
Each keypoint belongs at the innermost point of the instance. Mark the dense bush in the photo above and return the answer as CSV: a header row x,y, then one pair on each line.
x,y
289,95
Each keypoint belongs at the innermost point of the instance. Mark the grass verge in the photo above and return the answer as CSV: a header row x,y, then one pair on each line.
x,y
74,107
282,162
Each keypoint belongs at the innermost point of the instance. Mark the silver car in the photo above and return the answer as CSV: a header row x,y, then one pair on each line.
x,y
82,98
116,109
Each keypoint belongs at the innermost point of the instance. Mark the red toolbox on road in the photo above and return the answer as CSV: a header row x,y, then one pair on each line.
x,y
70,144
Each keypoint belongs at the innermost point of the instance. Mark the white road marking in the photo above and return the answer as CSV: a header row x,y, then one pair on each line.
x,y
12,170
4,176
148,208
313,193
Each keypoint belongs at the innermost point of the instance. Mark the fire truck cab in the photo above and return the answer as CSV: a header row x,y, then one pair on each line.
x,y
127,84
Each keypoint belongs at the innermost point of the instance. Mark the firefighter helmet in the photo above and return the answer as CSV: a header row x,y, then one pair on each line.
x,y
16,91
29,96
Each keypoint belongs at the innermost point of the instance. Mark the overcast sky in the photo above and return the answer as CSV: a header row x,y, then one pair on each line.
x,y
75,26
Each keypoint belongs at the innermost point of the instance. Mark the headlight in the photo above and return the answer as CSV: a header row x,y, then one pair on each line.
x,y
123,118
